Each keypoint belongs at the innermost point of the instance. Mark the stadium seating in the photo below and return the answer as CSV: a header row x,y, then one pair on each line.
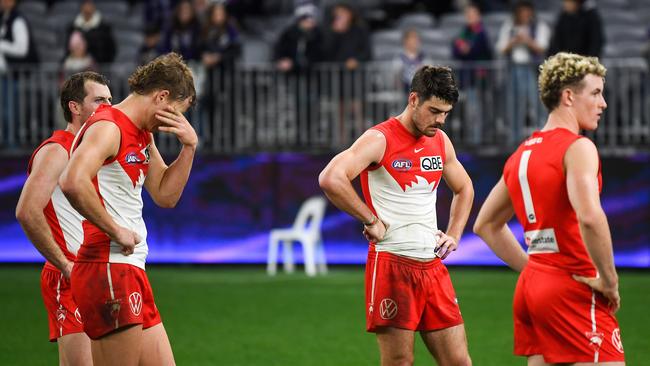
x,y
307,231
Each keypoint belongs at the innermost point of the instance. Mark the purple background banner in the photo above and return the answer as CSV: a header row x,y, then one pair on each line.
x,y
231,203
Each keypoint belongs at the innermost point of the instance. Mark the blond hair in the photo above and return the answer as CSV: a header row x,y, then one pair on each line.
x,y
565,70
166,72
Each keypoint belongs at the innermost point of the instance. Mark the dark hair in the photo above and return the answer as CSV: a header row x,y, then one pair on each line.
x,y
435,81
74,89
166,72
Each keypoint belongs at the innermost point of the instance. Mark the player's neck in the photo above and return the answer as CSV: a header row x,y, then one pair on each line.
x,y
73,128
134,107
562,118
406,119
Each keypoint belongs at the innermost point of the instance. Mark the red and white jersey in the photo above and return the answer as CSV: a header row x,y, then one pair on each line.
x,y
118,184
64,221
536,181
401,190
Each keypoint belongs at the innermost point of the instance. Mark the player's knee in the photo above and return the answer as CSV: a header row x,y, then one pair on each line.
x,y
400,359
458,360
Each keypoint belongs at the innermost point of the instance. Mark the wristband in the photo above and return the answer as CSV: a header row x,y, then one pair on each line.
x,y
372,221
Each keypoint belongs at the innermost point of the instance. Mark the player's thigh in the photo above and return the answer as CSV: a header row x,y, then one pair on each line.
x,y
74,349
121,347
448,346
395,346
599,364
156,349
537,360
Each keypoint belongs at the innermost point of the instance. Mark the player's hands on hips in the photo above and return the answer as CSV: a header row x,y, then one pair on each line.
x,y
446,245
175,122
610,291
67,270
375,233
128,239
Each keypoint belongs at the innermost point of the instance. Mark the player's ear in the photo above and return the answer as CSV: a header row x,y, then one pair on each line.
x,y
161,96
75,108
413,99
566,97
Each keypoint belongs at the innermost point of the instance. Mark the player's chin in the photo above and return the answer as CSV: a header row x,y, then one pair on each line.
x,y
430,132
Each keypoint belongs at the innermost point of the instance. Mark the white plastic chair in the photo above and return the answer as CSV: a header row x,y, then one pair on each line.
x,y
306,230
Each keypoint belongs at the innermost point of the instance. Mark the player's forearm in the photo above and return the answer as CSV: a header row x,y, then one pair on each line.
x,y
83,197
504,244
341,193
597,238
175,178
38,232
461,205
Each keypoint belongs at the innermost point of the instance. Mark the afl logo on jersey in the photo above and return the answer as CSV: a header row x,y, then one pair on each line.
x,y
430,163
402,165
132,158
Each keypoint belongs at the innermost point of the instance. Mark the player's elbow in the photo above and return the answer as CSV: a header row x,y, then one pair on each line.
x,y
592,219
68,184
479,227
23,214
326,180
166,201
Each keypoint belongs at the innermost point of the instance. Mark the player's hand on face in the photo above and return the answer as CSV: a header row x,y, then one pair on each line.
x,y
609,291
375,233
128,239
446,245
175,122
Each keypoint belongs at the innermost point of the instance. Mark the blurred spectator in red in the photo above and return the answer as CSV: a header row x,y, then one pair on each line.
x,y
347,40
150,48
78,58
98,34
299,45
578,29
472,44
410,59
523,41
184,33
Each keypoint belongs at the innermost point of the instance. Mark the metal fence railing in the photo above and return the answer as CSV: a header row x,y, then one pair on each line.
x,y
254,108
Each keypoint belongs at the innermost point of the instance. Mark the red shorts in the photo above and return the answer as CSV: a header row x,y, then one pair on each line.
x,y
409,294
111,296
563,319
62,312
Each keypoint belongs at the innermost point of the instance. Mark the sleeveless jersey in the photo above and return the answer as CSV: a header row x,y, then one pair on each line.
x,y
64,221
401,190
118,184
536,181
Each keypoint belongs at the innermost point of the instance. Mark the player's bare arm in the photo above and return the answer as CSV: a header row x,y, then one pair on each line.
x,y
581,164
492,226
100,142
165,183
336,180
460,184
47,166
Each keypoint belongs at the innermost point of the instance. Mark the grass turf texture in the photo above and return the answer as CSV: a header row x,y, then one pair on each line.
x,y
239,316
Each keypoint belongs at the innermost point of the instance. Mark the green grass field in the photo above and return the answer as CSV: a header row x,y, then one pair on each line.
x,y
239,316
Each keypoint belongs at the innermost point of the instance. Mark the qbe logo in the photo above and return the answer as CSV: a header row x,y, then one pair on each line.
x,y
402,164
430,163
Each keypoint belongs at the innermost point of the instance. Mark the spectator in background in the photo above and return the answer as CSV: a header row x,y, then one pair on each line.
x,y
578,29
202,9
220,47
184,33
523,41
299,45
410,59
17,49
347,40
150,48
472,44
78,58
98,33
158,13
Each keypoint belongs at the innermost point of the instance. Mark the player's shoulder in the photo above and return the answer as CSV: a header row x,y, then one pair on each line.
x,y
582,147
